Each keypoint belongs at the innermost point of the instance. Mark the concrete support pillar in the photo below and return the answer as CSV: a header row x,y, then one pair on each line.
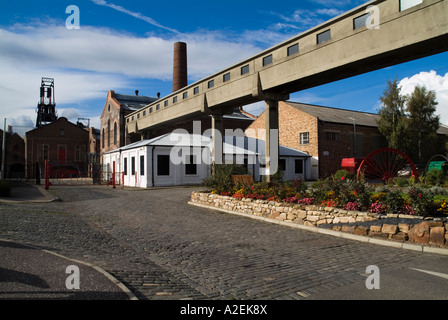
x,y
272,137
217,140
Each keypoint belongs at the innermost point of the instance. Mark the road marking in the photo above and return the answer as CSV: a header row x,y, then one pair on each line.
x,y
437,274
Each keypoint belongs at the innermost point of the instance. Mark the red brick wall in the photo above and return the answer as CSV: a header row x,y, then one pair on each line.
x,y
59,133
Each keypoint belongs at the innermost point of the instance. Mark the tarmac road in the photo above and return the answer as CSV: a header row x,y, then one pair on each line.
x,y
161,248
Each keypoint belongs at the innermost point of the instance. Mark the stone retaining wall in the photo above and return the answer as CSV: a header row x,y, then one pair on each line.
x,y
425,232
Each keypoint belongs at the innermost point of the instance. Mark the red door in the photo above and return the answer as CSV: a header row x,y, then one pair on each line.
x,y
61,155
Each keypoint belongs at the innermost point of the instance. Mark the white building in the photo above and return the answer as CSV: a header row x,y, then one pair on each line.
x,y
176,159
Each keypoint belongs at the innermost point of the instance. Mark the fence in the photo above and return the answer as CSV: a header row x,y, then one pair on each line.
x,y
80,174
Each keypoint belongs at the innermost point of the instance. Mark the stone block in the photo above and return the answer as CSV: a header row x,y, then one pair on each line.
x,y
403,227
419,233
313,218
361,230
375,228
336,228
349,229
400,236
389,229
376,234
437,236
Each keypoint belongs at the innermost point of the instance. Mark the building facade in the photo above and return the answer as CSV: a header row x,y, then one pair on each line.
x,y
112,127
64,144
327,134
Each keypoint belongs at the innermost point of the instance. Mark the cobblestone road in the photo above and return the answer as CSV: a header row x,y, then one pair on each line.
x,y
162,248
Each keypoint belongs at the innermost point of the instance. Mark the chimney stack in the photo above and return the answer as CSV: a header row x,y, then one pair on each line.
x,y
180,75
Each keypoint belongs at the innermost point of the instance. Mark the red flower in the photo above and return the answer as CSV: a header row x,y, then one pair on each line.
x,y
354,191
419,195
342,178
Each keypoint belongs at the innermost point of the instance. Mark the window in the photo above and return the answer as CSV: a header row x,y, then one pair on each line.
x,y
175,99
62,132
42,152
406,4
142,165
293,49
77,153
323,37
332,136
305,138
298,166
267,60
144,112
360,21
115,133
226,77
163,165
282,164
103,137
150,110
138,116
185,95
125,166
211,84
196,90
108,132
132,166
245,70
191,167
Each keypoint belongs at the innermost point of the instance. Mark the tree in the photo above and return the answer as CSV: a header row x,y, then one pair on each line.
x,y
409,122
423,124
392,122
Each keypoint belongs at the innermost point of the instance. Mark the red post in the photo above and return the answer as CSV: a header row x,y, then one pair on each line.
x,y
47,174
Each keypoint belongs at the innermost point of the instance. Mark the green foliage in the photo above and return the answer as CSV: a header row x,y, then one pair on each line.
x,y
436,177
222,180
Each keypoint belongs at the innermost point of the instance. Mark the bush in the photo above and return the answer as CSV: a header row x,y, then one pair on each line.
x,y
436,177
5,188
222,180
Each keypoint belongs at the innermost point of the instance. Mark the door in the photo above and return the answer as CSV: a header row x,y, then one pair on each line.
x,y
62,152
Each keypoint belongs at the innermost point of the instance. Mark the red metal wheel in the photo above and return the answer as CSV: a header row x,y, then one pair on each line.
x,y
385,164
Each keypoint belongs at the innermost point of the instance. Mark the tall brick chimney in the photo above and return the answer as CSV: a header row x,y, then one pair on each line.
x,y
180,74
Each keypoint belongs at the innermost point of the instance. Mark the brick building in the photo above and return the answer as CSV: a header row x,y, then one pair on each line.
x,y
117,106
61,142
327,134
14,155
112,127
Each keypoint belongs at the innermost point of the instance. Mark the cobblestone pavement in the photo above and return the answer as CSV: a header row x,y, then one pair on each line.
x,y
164,249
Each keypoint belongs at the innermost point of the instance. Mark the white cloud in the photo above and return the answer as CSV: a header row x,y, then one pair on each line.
x,y
434,82
88,62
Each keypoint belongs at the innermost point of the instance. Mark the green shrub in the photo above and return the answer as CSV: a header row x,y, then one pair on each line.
x,y
222,180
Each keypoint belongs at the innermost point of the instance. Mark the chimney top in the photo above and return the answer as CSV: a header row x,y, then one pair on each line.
x,y
180,75
136,92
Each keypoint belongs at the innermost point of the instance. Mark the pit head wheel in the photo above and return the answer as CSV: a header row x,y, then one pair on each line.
x,y
385,164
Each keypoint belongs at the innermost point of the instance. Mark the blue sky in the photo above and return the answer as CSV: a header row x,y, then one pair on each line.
x,y
127,46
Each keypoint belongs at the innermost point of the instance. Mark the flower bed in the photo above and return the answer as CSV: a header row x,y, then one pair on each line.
x,y
346,194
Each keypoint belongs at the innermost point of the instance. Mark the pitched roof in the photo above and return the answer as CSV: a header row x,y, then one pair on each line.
x,y
250,146
336,115
133,102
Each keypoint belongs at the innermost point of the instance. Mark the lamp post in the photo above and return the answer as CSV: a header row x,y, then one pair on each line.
x,y
354,136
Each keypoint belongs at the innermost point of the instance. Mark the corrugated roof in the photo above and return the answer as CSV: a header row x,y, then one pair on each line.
x,y
134,102
336,115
